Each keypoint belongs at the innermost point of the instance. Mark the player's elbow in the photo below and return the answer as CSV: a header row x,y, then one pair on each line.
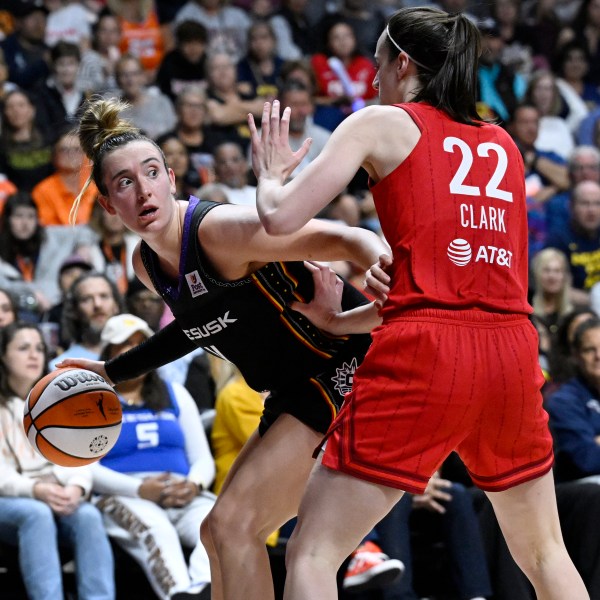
x,y
274,224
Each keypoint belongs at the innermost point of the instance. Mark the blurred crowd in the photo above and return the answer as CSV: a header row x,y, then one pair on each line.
x,y
191,71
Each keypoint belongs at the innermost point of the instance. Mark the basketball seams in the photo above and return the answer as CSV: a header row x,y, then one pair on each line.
x,y
61,400
75,422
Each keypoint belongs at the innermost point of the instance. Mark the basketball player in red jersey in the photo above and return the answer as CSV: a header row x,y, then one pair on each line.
x,y
453,366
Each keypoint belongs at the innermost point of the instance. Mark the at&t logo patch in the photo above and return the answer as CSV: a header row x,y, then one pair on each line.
x,y
459,252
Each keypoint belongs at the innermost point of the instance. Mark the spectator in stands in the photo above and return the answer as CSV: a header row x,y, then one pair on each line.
x,y
552,287
298,97
142,35
293,29
150,110
98,63
548,167
153,483
366,19
55,194
8,308
25,148
557,118
199,139
516,36
587,132
5,85
25,51
71,269
68,21
187,178
92,299
227,107
59,97
31,254
583,165
227,26
6,189
344,75
185,65
231,173
561,351
501,86
585,28
572,64
575,409
545,30
545,172
43,505
112,252
580,240
302,71
259,70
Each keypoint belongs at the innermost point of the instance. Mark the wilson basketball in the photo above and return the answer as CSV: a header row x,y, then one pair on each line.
x,y
72,417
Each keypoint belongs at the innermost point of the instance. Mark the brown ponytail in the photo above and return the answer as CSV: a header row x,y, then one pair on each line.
x,y
445,48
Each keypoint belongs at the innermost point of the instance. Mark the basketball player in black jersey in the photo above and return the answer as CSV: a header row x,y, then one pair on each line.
x,y
231,288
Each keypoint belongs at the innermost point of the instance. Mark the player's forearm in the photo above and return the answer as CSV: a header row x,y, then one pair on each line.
x,y
278,213
364,247
361,319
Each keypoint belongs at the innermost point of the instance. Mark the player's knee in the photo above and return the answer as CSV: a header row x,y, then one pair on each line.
x,y
227,521
535,560
206,534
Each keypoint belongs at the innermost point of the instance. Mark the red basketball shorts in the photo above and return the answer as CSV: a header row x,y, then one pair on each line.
x,y
435,381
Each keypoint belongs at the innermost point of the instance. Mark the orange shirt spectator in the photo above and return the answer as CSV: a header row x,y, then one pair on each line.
x,y
6,189
55,194
141,32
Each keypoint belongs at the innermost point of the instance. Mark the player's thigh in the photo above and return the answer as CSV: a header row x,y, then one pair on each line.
x,y
528,515
336,513
268,477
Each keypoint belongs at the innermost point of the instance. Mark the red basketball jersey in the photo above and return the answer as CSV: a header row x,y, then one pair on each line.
x,y
455,216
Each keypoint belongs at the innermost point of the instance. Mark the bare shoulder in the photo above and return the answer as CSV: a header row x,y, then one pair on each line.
x,y
389,135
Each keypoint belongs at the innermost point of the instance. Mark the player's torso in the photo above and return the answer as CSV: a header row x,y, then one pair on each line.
x,y
454,214
248,321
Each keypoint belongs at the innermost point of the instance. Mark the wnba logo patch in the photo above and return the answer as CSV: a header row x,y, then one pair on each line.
x,y
195,283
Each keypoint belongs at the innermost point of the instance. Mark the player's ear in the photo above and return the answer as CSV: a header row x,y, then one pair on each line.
x,y
172,188
106,205
402,64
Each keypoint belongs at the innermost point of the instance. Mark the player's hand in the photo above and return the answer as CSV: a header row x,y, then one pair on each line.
x,y
97,366
327,300
272,156
377,280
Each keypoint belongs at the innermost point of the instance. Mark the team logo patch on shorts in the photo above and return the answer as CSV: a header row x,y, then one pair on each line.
x,y
195,283
345,376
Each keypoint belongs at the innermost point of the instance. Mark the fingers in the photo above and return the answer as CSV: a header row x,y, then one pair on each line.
x,y
284,124
265,122
385,260
275,119
253,130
